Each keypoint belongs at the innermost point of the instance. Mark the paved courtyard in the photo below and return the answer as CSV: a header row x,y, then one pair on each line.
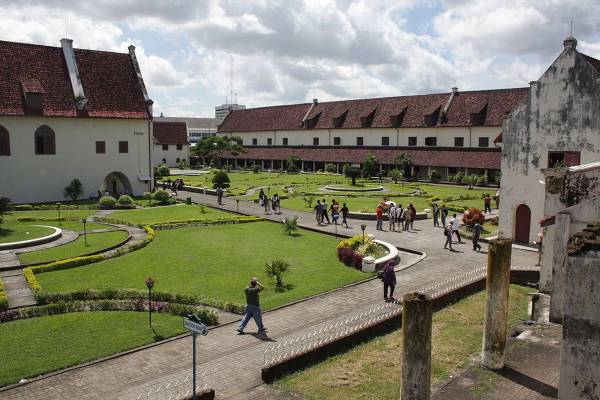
x,y
232,363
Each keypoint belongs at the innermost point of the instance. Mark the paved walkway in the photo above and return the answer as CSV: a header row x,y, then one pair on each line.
x,y
231,362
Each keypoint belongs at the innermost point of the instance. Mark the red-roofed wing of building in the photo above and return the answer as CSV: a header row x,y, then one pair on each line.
x,y
170,132
108,79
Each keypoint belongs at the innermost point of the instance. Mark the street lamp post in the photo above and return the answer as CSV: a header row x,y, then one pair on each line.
x,y
363,227
59,204
149,285
84,231
237,203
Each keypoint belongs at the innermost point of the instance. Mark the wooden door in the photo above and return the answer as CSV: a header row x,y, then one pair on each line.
x,y
522,224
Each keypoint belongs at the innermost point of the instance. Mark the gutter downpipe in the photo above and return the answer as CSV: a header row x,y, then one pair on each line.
x,y
314,103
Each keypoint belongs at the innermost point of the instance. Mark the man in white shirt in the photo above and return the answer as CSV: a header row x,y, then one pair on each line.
x,y
392,217
455,224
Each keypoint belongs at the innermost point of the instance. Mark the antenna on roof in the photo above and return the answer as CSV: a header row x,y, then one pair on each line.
x,y
66,35
231,78
571,26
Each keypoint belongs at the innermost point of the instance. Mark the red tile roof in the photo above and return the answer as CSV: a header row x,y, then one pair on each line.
x,y
499,103
440,157
109,82
170,132
595,62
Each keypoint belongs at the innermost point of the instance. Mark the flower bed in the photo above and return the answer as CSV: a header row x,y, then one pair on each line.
x,y
352,251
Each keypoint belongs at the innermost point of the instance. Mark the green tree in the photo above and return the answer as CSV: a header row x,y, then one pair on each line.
x,y
434,176
220,180
214,147
4,207
370,166
396,174
291,163
164,170
74,190
352,173
277,269
331,168
405,163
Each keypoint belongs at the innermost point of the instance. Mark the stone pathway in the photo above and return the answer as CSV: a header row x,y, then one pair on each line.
x,y
231,362
18,292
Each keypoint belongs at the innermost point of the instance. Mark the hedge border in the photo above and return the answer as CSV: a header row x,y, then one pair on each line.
x,y
183,223
3,297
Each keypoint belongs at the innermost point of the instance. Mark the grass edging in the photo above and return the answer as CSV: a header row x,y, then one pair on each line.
x,y
3,298
183,223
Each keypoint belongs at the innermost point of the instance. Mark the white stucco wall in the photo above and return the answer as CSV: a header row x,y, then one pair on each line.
x,y
171,155
560,114
372,136
26,177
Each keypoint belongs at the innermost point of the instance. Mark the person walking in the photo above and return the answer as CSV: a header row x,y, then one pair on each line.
x,y
389,281
436,213
477,228
318,210
448,235
252,307
345,211
392,217
444,214
379,217
455,225
265,204
407,218
174,187
276,204
487,203
324,212
400,217
335,211
261,195
220,196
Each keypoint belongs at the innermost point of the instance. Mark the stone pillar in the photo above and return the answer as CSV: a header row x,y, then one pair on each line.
x,y
580,347
262,164
302,169
416,346
496,310
539,307
562,227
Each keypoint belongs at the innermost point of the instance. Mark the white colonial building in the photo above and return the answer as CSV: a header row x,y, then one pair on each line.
x,y
556,124
171,146
448,132
72,114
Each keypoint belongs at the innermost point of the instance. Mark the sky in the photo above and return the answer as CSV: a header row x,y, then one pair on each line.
x,y
296,50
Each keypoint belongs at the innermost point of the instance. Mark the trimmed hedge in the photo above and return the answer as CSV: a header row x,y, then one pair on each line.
x,y
30,207
3,298
184,223
32,281
127,294
47,219
208,317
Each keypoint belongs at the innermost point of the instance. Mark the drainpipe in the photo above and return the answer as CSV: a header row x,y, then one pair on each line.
x,y
314,103
397,137
470,137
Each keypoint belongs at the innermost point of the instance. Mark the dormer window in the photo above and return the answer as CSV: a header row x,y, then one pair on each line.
x,y
338,121
312,122
366,120
477,114
430,118
33,95
397,118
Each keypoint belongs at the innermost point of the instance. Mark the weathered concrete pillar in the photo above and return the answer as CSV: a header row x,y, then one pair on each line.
x,y
496,310
580,348
302,169
539,307
416,346
562,228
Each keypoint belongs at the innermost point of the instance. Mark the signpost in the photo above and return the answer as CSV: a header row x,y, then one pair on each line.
x,y
194,325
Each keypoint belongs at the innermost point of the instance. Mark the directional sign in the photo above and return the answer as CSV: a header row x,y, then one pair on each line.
x,y
196,327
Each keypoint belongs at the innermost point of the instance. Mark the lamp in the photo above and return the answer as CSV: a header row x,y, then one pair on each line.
x,y
149,285
363,227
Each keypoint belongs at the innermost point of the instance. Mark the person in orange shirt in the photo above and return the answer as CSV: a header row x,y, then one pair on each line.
x,y
379,216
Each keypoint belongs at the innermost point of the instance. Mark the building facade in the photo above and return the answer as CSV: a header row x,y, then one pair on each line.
x,y
197,128
69,114
171,146
556,125
447,132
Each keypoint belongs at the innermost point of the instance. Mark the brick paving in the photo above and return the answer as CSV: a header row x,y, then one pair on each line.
x,y
232,362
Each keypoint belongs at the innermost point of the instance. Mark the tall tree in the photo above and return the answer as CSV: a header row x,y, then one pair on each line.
x,y
370,166
214,147
74,190
352,173
405,163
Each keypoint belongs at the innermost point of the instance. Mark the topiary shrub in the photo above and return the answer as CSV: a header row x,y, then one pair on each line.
x,y
125,201
161,197
256,168
220,180
331,168
107,203
164,170
23,207
74,190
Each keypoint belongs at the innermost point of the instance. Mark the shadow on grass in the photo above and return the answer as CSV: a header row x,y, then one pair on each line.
x,y
284,288
5,232
157,337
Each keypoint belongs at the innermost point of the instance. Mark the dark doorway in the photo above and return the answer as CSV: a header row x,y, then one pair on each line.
x,y
522,224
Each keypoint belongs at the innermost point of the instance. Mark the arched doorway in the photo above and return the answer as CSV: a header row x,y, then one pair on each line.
x,y
522,223
116,183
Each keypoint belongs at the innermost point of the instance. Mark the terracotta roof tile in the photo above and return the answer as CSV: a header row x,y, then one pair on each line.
x,y
288,117
109,81
170,132
443,157
595,62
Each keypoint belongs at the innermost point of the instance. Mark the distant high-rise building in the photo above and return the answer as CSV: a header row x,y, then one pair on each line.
x,y
224,109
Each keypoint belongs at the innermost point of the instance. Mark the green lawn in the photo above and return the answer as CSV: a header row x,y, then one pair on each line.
x,y
218,262
372,370
51,214
16,232
96,241
31,347
168,214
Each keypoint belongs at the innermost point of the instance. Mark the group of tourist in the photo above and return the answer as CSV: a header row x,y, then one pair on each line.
x,y
398,217
321,211
273,203
173,185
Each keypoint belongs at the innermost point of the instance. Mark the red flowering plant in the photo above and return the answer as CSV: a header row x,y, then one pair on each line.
x,y
473,215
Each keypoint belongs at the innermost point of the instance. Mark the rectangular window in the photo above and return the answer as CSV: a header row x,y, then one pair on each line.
x,y
412,140
269,141
179,147
563,159
385,140
359,141
484,141
254,141
165,147
431,141
459,142
315,141
285,141
123,146
337,140
100,147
